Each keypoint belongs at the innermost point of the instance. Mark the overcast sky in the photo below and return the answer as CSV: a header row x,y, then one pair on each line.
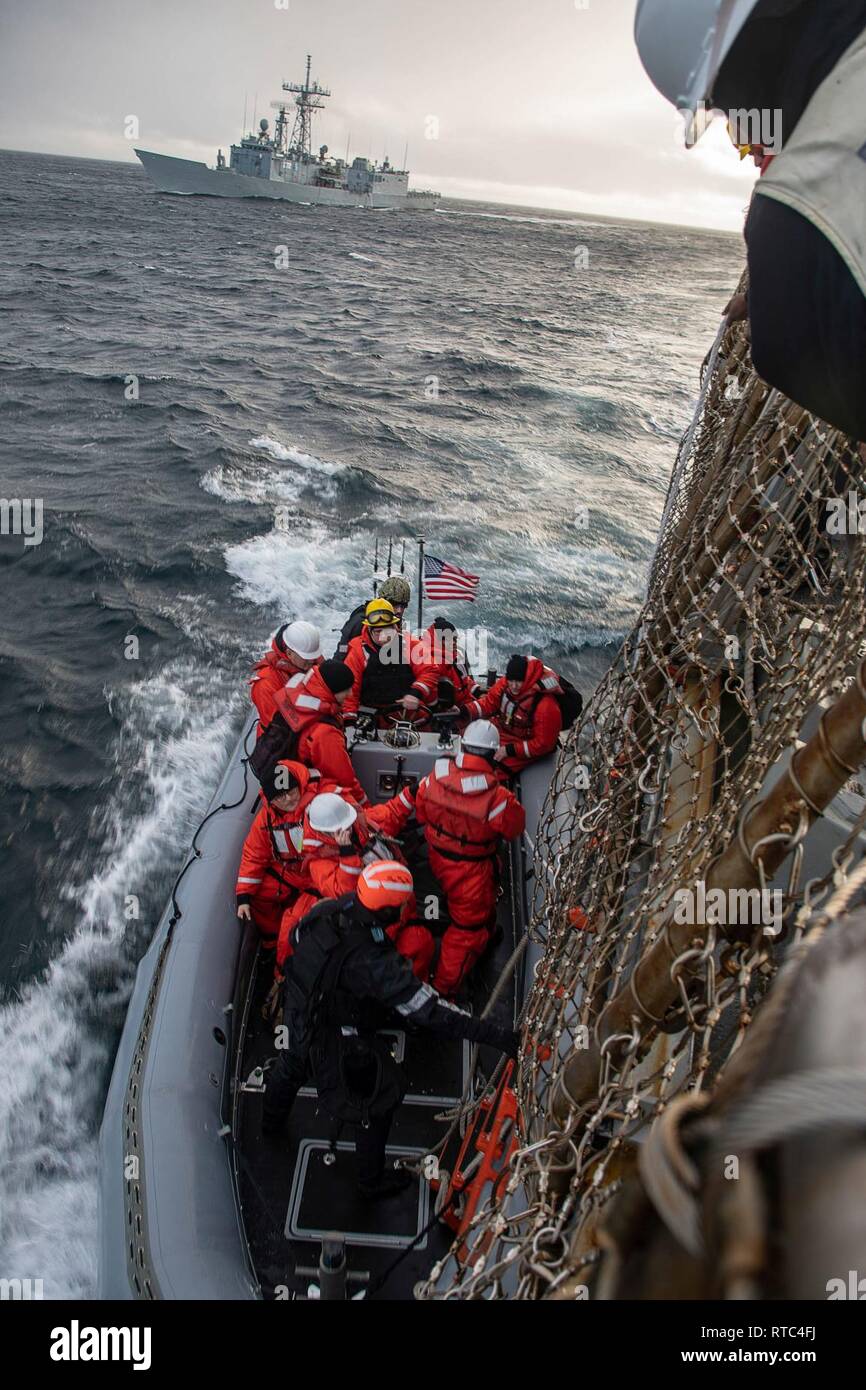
x,y
539,102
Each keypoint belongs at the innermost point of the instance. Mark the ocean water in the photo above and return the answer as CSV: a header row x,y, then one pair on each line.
x,y
476,376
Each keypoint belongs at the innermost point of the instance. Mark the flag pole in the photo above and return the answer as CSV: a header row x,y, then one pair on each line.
x,y
420,582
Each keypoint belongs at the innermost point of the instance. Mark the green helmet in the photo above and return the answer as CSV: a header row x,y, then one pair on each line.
x,y
395,590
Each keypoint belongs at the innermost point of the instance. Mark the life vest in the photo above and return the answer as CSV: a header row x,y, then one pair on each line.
x,y
286,828
383,682
303,701
462,806
286,836
821,170
306,700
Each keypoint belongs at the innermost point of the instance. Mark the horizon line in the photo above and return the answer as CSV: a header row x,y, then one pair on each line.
x,y
491,202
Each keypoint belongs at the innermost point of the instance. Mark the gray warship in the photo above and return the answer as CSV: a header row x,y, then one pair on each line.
x,y
281,164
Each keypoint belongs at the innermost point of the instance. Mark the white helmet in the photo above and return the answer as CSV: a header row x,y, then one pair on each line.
x,y
481,737
303,639
683,43
330,813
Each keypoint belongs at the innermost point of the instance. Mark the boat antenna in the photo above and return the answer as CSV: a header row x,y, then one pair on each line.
x,y
403,557
420,582
348,141
390,547
376,567
406,156
244,128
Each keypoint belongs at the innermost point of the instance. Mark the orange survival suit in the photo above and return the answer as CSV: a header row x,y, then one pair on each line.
x,y
272,870
269,676
529,723
334,869
436,656
312,712
466,813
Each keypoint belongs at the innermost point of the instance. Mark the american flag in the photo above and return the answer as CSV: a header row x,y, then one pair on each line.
x,y
444,581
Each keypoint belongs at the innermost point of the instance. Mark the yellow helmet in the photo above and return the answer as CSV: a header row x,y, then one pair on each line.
x,y
379,613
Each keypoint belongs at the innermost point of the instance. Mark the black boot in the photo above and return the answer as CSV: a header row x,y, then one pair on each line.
x,y
388,1185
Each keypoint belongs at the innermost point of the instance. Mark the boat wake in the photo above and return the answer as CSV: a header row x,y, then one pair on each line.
x,y
57,1041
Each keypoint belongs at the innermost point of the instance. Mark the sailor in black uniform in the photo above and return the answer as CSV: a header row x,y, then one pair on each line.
x,y
343,979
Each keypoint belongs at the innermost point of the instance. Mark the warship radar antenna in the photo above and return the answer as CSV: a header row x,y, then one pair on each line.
x,y
282,125
308,98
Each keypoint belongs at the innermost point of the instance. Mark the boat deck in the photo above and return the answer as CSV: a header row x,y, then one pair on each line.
x,y
293,1190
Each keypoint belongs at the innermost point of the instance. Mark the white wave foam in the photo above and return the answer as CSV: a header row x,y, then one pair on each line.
x,y
57,1041
268,486
284,454
307,573
356,256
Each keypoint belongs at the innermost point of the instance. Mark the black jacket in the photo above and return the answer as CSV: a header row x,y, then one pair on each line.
x,y
806,310
345,973
352,627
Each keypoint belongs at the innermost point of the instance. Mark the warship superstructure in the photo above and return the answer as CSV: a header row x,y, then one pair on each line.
x,y
280,163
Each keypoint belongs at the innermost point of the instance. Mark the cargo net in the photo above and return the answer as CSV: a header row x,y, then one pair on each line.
x,y
754,614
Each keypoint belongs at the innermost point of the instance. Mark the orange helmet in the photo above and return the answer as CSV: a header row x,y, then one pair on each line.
x,y
384,884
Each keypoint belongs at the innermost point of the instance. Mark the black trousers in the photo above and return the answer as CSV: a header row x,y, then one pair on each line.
x,y
284,1082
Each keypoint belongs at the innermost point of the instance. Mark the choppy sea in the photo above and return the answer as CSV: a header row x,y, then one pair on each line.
x,y
177,375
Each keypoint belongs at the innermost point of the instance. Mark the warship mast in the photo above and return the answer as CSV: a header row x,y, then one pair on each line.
x,y
308,98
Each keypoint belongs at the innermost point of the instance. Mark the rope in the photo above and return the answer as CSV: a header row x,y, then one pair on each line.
x,y
195,853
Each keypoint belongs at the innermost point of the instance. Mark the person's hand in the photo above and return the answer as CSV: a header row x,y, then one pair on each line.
x,y
500,755
409,702
244,912
506,1040
344,836
736,309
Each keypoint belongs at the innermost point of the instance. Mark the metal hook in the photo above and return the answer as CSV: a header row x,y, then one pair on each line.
x,y
642,779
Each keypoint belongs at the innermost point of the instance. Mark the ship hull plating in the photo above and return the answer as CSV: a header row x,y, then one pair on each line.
x,y
187,176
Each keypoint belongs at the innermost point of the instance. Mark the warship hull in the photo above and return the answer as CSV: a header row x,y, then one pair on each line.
x,y
189,176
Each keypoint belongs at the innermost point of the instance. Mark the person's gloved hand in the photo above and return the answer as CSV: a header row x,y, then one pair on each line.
x,y
504,1038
